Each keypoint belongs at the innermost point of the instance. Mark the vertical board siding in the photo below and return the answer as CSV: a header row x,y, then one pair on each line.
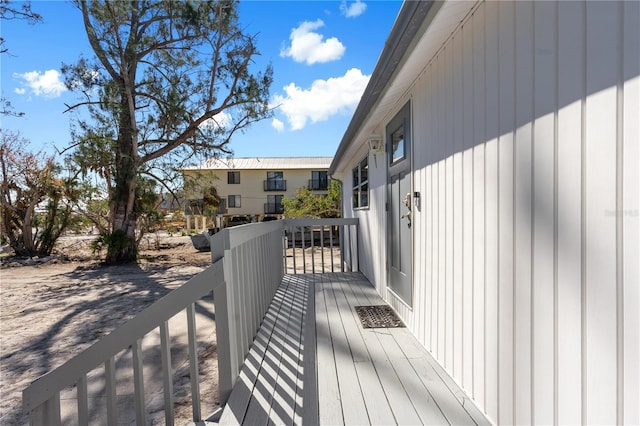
x,y
492,110
478,208
467,200
569,190
457,209
630,273
600,198
525,136
506,120
543,204
523,211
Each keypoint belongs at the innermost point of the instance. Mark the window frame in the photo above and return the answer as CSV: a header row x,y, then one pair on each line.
x,y
233,181
235,205
360,185
319,180
275,181
277,203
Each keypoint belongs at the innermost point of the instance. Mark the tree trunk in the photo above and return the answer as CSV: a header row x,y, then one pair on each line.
x,y
122,246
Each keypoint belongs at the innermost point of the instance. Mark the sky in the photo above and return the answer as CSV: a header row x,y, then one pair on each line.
x,y
322,53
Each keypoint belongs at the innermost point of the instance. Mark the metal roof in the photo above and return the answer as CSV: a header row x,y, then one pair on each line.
x,y
264,163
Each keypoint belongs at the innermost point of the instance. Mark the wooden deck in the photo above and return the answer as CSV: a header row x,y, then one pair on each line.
x,y
312,362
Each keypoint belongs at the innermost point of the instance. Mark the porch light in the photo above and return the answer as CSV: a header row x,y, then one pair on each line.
x,y
375,144
375,147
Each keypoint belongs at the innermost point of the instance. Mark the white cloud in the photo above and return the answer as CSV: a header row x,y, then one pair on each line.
x,y
322,100
354,9
47,84
20,90
220,120
308,46
277,124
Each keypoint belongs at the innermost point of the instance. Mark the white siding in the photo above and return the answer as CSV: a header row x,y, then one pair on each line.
x,y
526,133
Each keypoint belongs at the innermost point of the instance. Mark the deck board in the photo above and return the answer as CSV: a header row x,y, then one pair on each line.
x,y
353,406
313,363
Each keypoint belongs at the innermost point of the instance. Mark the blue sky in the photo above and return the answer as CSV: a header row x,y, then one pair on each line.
x,y
322,52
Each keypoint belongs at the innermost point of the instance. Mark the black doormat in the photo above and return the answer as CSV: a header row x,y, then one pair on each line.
x,y
378,316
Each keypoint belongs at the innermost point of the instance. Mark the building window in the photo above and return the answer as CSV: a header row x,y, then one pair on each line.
x,y
319,181
361,184
275,182
233,201
273,205
233,178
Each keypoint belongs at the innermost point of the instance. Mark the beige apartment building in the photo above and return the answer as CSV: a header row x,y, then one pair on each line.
x,y
252,187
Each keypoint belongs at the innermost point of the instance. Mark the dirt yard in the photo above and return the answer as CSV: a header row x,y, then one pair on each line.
x,y
52,309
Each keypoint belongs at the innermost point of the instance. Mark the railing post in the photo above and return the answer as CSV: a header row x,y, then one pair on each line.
x,y
220,243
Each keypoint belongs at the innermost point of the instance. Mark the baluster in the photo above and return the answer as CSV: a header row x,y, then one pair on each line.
x,y
322,246
342,244
193,362
167,375
313,258
304,259
293,248
138,383
110,373
83,400
331,247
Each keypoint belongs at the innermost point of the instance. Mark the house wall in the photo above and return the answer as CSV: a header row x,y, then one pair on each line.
x,y
526,243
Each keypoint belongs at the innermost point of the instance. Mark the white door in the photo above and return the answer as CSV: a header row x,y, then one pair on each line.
x,y
400,205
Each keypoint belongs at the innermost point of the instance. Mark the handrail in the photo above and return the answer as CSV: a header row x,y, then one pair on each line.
x,y
40,397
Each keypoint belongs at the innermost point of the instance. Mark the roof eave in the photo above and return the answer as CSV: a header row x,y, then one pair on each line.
x,y
407,27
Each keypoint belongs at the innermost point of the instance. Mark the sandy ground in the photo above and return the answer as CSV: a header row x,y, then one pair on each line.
x,y
52,310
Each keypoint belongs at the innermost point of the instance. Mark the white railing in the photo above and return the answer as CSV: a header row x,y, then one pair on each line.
x,y
252,256
42,398
254,267
249,262
321,245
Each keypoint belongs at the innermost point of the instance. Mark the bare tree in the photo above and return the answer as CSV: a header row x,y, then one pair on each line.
x,y
36,204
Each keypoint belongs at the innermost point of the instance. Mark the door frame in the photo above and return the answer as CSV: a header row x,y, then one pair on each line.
x,y
402,117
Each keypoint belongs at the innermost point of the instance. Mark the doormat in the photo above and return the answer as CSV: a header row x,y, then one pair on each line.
x,y
378,316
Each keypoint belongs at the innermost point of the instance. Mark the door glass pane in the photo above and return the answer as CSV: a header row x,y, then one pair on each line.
x,y
397,145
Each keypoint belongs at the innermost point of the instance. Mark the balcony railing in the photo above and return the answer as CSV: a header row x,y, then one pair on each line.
x,y
275,185
248,264
273,208
318,184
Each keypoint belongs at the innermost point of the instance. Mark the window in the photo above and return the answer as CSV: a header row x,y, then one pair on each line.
x,y
233,201
397,145
319,181
233,178
273,205
361,184
275,182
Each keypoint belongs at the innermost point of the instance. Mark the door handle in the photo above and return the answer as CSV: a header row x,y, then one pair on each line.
x,y
407,200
